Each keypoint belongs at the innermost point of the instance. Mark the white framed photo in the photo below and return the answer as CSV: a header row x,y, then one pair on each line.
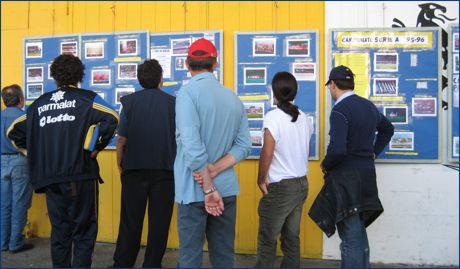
x,y
34,50
254,111
402,141
385,86
455,149
265,46
180,63
101,77
49,71
273,101
70,48
396,114
180,46
455,63
386,62
455,44
127,71
35,74
298,47
257,138
34,90
255,76
120,92
424,107
94,50
304,71
127,47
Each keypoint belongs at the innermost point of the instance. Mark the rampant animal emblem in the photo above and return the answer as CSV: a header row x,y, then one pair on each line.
x,y
432,15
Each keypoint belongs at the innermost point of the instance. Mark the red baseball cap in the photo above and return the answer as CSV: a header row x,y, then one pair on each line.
x,y
203,45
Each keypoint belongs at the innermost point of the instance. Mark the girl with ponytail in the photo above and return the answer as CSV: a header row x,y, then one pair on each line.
x,y
282,174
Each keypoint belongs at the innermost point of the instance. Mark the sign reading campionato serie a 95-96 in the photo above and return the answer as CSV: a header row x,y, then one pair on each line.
x,y
399,70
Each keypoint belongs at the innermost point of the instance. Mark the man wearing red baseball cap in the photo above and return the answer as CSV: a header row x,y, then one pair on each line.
x,y
212,135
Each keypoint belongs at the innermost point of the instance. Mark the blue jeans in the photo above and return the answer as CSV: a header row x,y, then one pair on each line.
x,y
16,199
194,223
355,246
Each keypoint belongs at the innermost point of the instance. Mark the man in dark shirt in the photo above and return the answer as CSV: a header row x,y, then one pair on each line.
x,y
349,198
146,150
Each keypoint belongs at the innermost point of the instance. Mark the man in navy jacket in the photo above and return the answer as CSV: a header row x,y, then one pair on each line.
x,y
349,198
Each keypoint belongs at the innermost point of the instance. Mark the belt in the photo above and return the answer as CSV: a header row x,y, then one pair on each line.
x,y
16,153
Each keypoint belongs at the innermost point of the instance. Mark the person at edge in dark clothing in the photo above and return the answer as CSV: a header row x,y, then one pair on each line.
x,y
349,198
146,150
63,131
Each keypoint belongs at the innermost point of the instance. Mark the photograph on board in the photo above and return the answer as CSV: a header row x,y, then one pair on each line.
x,y
127,47
298,47
424,107
120,92
180,46
35,74
396,114
385,86
257,138
34,90
34,50
402,141
455,44
455,63
386,62
180,63
255,76
94,50
100,77
49,71
255,111
127,71
455,148
304,71
264,46
70,48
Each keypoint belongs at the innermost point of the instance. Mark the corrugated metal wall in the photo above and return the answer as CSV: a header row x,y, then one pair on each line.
x,y
24,19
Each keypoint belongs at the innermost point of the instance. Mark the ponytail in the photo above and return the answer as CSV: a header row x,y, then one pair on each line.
x,y
284,87
290,109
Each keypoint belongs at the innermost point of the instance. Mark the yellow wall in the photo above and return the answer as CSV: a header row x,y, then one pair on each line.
x,y
24,19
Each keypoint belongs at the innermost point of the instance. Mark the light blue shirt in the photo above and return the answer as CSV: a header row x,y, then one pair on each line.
x,y
343,96
210,122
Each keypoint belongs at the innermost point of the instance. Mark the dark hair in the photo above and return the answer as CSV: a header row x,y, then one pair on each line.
x,y
12,95
343,84
67,69
149,74
284,87
201,64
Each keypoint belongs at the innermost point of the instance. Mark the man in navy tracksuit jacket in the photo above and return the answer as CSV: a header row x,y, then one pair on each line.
x,y
55,131
349,197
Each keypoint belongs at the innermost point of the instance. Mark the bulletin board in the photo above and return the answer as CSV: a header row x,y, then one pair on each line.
x,y
399,70
110,61
39,53
259,56
170,49
453,109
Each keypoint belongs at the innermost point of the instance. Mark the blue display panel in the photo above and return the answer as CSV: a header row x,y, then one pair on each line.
x,y
453,67
259,56
39,53
399,71
170,49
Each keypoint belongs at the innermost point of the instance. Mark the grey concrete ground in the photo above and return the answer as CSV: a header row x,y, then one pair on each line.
x,y
39,256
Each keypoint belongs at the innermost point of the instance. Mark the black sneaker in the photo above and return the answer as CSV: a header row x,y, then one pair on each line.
x,y
24,247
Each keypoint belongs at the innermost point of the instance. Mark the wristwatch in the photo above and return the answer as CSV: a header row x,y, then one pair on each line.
x,y
211,190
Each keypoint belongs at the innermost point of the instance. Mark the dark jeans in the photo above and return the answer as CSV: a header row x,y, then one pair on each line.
x,y
355,246
280,211
72,209
138,187
194,223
